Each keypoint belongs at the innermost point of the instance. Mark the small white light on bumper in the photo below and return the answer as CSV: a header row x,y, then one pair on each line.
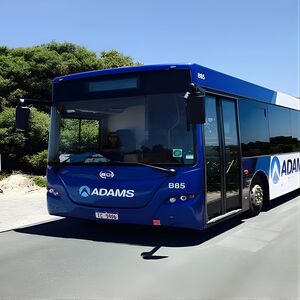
x,y
172,200
183,198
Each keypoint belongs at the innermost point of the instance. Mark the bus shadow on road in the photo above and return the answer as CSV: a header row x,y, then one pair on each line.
x,y
155,237
128,234
283,199
277,202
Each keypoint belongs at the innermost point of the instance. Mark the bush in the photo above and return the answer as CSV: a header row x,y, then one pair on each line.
x,y
40,181
37,162
17,147
27,73
12,143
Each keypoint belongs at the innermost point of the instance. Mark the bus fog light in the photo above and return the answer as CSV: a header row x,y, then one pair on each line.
x,y
172,200
53,192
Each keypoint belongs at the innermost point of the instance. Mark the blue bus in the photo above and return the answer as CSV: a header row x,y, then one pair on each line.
x,y
168,145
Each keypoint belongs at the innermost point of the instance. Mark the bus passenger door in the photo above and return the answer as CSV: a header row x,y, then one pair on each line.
x,y
222,155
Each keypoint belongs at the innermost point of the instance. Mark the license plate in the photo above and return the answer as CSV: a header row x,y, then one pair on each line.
x,y
106,216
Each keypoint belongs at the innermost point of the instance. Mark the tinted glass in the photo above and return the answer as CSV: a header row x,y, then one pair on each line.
x,y
148,129
79,135
254,128
213,158
298,114
232,165
295,124
280,130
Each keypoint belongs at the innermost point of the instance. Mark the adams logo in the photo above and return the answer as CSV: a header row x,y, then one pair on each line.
x,y
85,191
275,169
286,167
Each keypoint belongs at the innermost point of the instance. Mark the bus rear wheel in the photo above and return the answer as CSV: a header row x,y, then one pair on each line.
x,y
257,194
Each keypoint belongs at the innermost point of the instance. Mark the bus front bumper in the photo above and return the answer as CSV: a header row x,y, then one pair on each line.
x,y
189,214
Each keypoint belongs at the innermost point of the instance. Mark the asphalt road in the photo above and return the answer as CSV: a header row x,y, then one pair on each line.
x,y
241,258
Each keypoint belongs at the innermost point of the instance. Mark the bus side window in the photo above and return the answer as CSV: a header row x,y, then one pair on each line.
x,y
254,127
295,124
280,130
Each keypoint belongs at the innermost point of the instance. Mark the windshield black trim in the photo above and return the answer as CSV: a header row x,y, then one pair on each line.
x,y
150,82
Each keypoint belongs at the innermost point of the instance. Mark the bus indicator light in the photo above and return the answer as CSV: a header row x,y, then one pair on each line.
x,y
246,172
52,191
156,222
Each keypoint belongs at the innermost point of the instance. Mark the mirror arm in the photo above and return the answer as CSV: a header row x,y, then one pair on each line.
x,y
197,90
195,107
26,102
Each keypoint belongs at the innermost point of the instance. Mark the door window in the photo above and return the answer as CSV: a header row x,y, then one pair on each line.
x,y
222,154
213,158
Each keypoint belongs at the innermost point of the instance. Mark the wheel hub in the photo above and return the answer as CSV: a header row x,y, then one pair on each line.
x,y
257,195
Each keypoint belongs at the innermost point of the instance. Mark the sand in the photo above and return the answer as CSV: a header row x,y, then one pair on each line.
x,y
19,183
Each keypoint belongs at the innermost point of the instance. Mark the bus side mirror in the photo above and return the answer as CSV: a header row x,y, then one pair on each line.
x,y
195,105
22,117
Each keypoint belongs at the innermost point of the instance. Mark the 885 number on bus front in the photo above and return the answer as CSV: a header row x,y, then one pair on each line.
x,y
176,185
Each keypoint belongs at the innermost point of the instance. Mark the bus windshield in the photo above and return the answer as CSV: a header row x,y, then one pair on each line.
x,y
147,129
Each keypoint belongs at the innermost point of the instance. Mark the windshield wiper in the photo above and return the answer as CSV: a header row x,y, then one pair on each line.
x,y
59,165
169,171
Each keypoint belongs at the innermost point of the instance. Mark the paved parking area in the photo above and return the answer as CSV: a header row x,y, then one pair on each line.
x,y
22,209
256,258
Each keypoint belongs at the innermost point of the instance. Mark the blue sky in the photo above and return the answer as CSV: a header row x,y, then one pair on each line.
x,y
256,40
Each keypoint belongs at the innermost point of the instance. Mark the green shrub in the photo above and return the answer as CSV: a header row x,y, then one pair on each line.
x,y
17,147
40,181
37,162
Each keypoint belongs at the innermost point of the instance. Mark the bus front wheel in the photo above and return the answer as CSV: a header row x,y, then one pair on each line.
x,y
257,194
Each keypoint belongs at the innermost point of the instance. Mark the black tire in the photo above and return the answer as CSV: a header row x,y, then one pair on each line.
x,y
257,195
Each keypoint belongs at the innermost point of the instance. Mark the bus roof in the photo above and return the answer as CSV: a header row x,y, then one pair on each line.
x,y
205,77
